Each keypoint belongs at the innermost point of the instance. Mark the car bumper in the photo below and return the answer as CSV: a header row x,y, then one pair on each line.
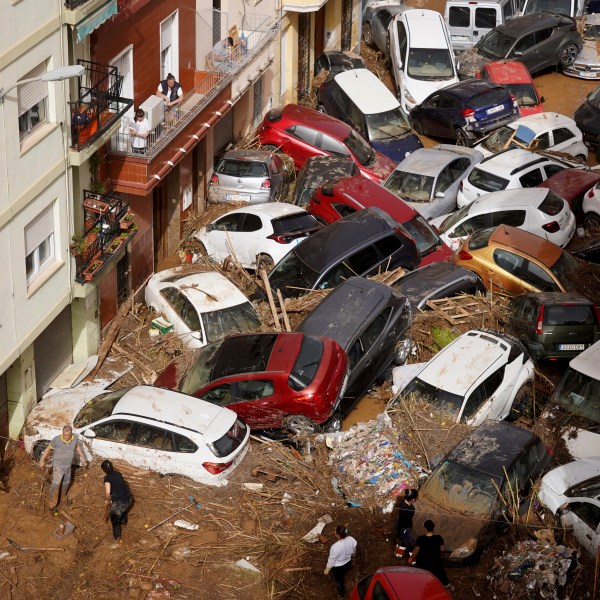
x,y
484,127
583,72
540,351
233,196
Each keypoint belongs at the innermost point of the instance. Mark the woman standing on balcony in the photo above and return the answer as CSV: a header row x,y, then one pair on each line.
x,y
139,129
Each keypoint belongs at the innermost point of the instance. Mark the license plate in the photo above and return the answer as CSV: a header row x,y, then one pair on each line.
x,y
459,38
495,109
239,197
571,346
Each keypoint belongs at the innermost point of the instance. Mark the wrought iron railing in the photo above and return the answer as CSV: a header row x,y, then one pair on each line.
x,y
99,104
73,4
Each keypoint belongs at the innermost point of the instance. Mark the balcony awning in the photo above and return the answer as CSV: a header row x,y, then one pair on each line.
x,y
93,21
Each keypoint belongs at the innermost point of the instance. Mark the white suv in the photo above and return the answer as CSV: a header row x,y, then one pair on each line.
x,y
422,57
509,169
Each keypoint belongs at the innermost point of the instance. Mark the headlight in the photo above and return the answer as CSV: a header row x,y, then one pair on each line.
x,y
409,97
464,550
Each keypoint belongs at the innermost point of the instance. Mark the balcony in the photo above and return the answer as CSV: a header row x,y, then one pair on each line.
x,y
109,227
87,15
97,113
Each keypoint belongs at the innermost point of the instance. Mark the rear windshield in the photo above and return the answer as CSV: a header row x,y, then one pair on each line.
x,y
410,185
235,319
568,315
579,394
495,44
364,154
242,168
425,237
437,397
387,126
552,204
429,64
562,7
524,93
230,441
290,271
307,364
486,181
488,98
498,139
480,238
293,223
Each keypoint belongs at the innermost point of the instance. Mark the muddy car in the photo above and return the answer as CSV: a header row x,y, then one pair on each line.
x,y
465,491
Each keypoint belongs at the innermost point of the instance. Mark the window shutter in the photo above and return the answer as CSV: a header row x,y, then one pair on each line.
x,y
30,94
166,35
38,230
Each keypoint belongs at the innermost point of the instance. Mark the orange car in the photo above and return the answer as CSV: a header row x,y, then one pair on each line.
x,y
513,261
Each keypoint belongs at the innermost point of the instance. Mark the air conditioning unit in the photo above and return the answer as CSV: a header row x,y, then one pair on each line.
x,y
154,107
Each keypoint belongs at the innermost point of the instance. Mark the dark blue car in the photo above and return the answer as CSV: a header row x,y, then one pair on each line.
x,y
465,110
360,99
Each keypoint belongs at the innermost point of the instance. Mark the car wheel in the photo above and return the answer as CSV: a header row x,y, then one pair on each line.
x,y
567,55
367,34
264,261
270,148
38,449
591,221
523,403
300,425
334,423
403,349
462,139
581,157
321,109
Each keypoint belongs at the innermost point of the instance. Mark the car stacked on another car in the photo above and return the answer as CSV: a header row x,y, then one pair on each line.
x,y
587,117
338,61
376,20
587,63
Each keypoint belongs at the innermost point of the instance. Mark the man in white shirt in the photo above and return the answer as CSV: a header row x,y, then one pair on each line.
x,y
340,558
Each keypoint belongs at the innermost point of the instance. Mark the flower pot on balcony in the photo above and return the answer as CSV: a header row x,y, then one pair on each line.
x,y
114,245
127,221
90,271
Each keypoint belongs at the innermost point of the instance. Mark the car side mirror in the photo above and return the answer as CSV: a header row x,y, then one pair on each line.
x,y
542,99
89,433
210,227
439,194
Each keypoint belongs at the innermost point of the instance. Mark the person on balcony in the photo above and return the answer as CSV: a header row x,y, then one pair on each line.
x,y
139,129
172,93
222,54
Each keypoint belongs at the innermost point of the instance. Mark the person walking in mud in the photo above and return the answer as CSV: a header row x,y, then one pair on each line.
x,y
118,498
340,558
404,537
63,448
427,553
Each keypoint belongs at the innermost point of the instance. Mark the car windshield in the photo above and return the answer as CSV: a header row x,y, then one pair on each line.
x,y
562,7
306,365
486,181
387,126
441,399
235,319
425,237
294,223
579,394
566,270
98,408
291,272
524,93
591,32
411,186
594,98
430,64
199,373
451,220
242,168
363,153
463,488
495,44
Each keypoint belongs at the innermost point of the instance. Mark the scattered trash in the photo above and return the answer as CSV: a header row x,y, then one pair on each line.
x,y
181,552
244,564
271,475
64,531
5,555
183,524
253,487
162,324
313,535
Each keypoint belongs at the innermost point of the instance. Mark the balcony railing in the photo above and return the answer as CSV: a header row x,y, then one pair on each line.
x,y
195,101
99,105
73,4
108,226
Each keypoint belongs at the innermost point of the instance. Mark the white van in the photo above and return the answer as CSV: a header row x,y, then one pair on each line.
x,y
469,20
422,58
571,8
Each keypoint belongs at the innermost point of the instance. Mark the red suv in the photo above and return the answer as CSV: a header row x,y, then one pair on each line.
x,y
342,197
516,78
271,380
303,132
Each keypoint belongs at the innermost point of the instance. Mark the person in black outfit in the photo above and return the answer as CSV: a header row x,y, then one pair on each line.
x,y
428,553
118,497
406,511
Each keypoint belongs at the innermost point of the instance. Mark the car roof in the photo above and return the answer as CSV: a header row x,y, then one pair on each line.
x,y
528,243
508,71
427,161
557,298
417,584
302,115
268,209
507,199
588,362
573,473
532,22
424,28
541,121
367,91
467,88
571,182
340,58
492,447
506,161
234,353
461,363
239,154
171,407
344,312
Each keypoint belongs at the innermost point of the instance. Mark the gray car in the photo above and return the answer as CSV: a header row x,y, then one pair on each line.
x,y
428,179
253,176
587,63
376,20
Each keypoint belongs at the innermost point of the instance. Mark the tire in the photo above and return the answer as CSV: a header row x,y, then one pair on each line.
x,y
367,34
462,139
300,425
567,55
264,261
402,349
591,221
334,423
581,157
39,448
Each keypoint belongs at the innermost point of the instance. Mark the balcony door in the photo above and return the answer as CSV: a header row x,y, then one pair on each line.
x,y
169,46
124,64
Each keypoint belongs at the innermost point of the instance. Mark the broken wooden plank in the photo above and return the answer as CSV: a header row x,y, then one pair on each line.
x,y
265,279
286,321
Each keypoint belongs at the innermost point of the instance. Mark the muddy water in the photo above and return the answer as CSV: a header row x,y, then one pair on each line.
x,y
562,94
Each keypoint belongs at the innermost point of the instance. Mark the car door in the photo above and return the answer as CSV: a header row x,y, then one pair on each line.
x,y
251,240
486,401
110,438
398,40
537,51
219,235
279,176
442,119
301,143
506,278
583,516
563,140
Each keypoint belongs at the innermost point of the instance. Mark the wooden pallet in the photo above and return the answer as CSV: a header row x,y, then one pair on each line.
x,y
458,309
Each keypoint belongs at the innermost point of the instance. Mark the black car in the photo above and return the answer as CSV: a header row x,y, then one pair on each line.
x,y
464,110
376,21
539,40
363,243
587,118
463,492
437,280
590,253
319,170
371,323
337,61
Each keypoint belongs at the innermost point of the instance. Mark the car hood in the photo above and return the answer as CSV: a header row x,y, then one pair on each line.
x,y
589,55
470,63
424,208
402,376
398,149
588,118
420,90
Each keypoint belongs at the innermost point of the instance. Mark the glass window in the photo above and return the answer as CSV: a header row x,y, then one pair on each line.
x,y
39,244
251,223
363,153
430,64
306,134
388,125
191,318
276,164
438,397
552,204
459,16
242,168
485,18
379,593
458,167
552,169
307,364
444,181
183,444
292,271
375,329
294,223
343,209
425,237
587,512
153,437
486,181
230,441
568,314
363,260
254,389
39,258
542,142
514,218
543,34
388,245
363,585
32,118
508,261
507,11
229,222
336,275
174,298
495,44
115,431
221,395
333,146
524,93
539,278
235,319
471,225
579,394
482,393
525,43
562,134
98,408
531,179
411,186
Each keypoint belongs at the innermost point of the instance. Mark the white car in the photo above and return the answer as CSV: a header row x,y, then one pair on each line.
x,y
537,210
571,493
509,169
257,236
591,207
422,57
147,427
542,131
475,377
203,307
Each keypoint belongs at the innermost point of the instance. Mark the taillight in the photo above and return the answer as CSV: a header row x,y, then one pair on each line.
x,y
552,227
514,100
216,468
280,239
266,183
597,313
214,179
467,113
539,327
590,194
464,255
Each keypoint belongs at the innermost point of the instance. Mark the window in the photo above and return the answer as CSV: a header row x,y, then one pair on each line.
x,y
190,317
219,395
254,389
169,46
507,11
485,18
531,179
542,142
552,169
459,16
306,134
39,244
445,180
562,135
458,167
32,101
363,260
175,298
542,35
525,43
115,431
375,329
379,593
537,277
343,209
153,437
333,146
230,222
587,512
514,218
252,223
482,393
508,261
468,226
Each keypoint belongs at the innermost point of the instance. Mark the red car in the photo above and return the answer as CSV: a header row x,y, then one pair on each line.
x,y
302,132
271,380
572,185
342,197
400,583
516,78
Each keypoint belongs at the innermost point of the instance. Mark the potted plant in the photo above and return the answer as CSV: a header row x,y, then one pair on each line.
x,y
78,246
127,221
89,272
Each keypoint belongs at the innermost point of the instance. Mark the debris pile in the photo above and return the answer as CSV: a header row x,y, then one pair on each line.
x,y
533,569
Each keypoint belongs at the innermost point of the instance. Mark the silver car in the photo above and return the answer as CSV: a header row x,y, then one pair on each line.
x,y
376,19
253,176
587,63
